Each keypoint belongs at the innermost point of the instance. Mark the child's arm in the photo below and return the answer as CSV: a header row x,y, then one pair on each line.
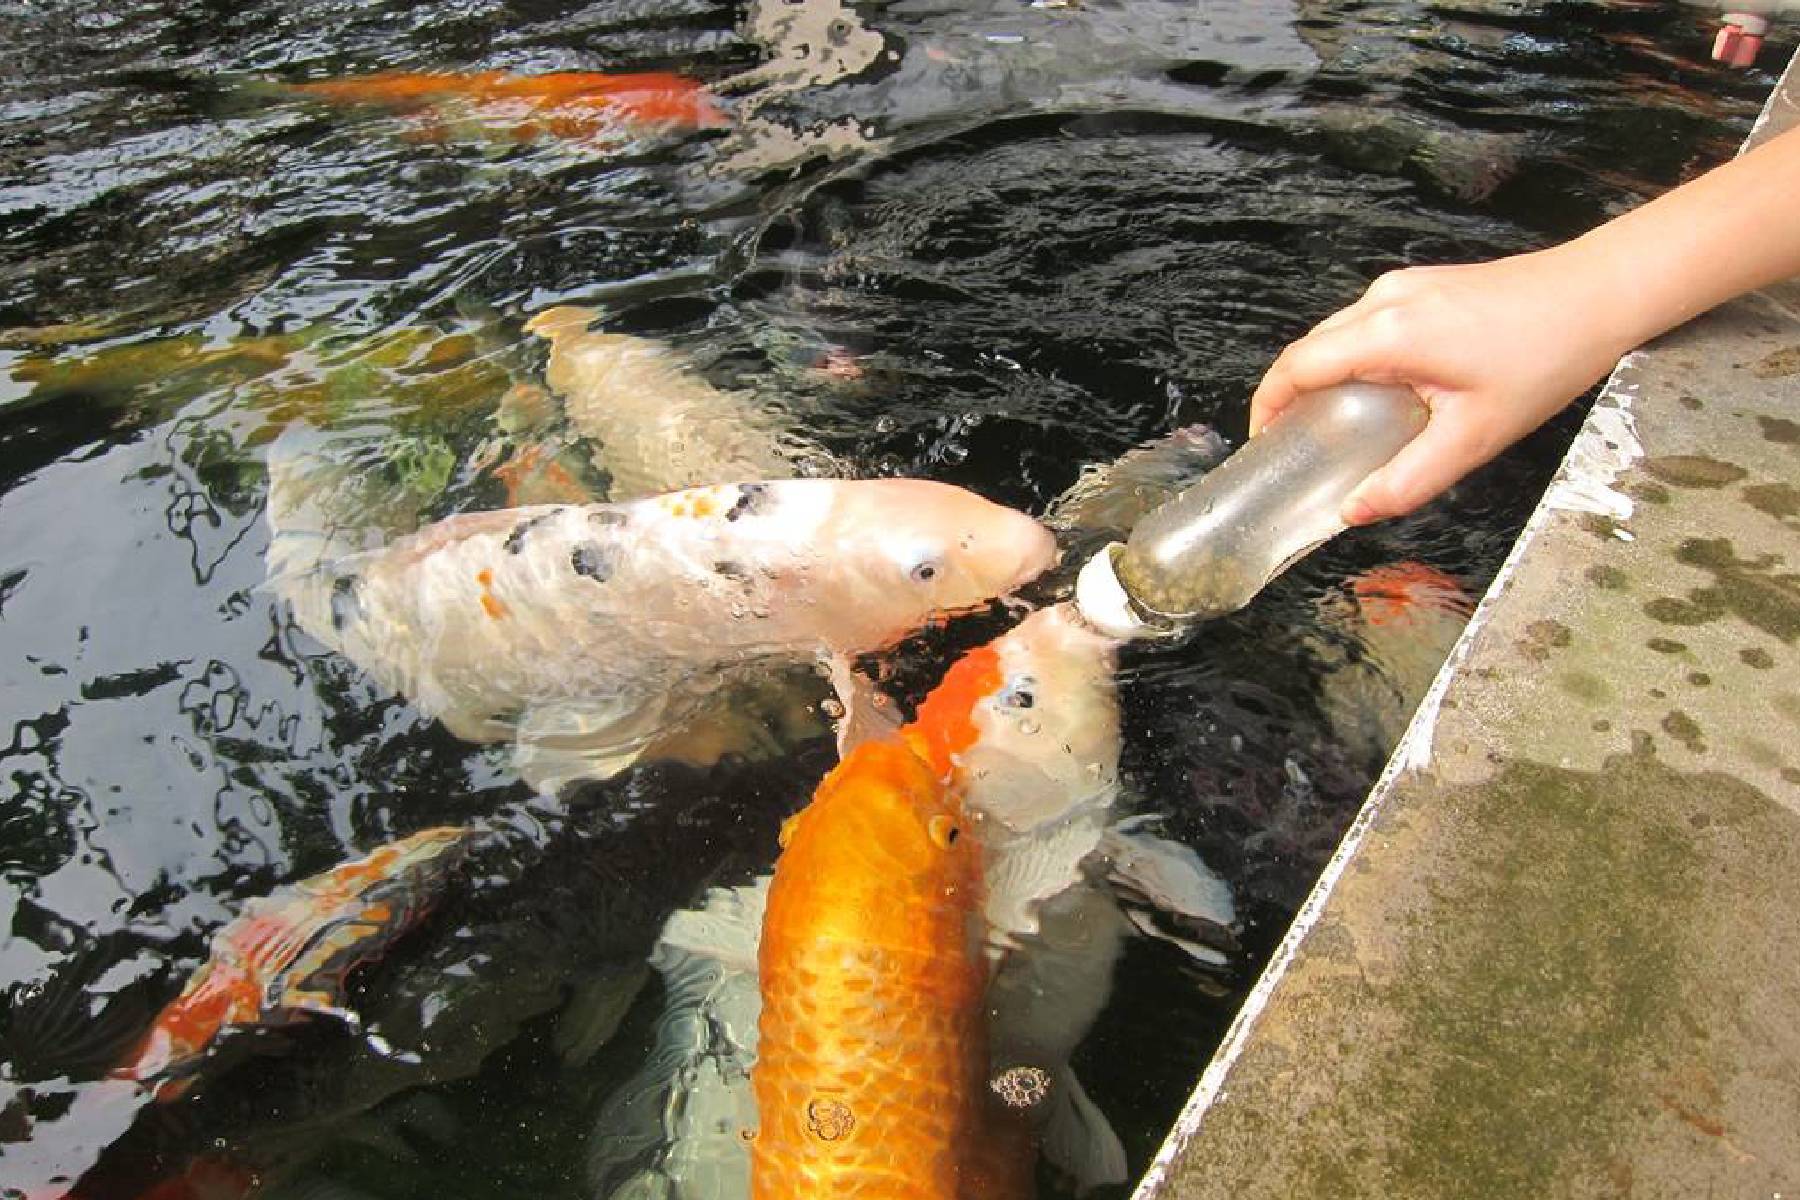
x,y
1496,348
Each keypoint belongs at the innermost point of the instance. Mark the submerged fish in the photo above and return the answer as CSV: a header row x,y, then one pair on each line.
x,y
872,1056
1026,729
589,632
655,424
288,955
570,105
1403,618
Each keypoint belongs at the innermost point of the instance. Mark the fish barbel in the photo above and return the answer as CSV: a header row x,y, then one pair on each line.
x,y
288,955
872,1052
587,631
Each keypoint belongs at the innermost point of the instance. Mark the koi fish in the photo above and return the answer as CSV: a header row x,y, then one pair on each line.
x,y
872,1054
569,105
1394,594
1026,729
657,426
1404,617
288,955
587,632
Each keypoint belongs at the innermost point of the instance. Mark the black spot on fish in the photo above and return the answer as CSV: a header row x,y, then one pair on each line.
x,y
595,561
753,498
515,541
346,605
608,518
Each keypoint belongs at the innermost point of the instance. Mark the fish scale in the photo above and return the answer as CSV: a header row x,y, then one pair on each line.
x,y
872,1039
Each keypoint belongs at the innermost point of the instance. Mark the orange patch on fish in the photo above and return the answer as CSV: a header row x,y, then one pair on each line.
x,y
534,476
572,105
1391,594
872,1056
289,953
945,724
490,603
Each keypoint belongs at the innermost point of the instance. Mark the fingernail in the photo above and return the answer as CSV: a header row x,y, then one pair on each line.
x,y
1357,511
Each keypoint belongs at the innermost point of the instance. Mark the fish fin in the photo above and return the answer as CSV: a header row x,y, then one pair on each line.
x,y
675,1129
553,323
1078,1139
558,744
725,928
595,1010
315,1003
1146,924
869,715
1111,498
1167,876
758,718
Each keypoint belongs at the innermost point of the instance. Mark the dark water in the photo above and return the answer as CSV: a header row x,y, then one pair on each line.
x,y
1044,234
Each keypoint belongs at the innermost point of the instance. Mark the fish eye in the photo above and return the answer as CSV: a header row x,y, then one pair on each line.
x,y
943,831
923,572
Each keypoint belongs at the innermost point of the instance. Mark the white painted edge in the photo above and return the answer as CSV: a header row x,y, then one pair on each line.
x,y
1413,753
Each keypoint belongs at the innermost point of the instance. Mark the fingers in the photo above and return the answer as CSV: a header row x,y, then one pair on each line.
x,y
1329,353
1450,446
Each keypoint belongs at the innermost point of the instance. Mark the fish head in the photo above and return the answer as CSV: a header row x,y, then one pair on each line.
x,y
912,549
883,834
1030,722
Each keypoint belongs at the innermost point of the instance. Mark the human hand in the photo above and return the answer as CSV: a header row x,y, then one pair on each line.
x,y
1494,349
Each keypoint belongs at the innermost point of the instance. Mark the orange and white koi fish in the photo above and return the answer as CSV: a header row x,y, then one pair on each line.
x,y
288,955
654,423
587,632
872,1051
572,106
1026,729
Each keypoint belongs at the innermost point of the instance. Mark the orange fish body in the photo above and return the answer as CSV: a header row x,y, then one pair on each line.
x,y
289,953
568,104
1397,593
872,1061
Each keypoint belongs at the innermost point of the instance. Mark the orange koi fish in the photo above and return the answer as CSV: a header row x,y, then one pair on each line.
x,y
1393,594
571,105
872,1051
290,952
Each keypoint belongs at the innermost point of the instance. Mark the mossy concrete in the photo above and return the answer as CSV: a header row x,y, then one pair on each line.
x,y
1560,954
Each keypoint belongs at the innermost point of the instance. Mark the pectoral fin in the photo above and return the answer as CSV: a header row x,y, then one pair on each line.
x,y
1167,876
558,744
1169,894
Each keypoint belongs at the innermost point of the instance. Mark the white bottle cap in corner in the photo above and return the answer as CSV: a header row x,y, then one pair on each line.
x,y
1102,600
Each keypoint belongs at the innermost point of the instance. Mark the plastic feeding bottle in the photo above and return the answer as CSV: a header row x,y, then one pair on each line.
x,y
1210,550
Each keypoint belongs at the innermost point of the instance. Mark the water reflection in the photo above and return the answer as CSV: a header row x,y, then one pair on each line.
x,y
985,245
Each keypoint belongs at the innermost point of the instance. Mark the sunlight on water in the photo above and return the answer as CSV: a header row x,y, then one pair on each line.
x,y
991,244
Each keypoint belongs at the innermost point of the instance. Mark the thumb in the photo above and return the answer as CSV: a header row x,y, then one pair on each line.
x,y
1448,448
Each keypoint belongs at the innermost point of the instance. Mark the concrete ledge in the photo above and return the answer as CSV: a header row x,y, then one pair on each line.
x,y
1559,951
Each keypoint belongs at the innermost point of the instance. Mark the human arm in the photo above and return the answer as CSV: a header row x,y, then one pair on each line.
x,y
1496,348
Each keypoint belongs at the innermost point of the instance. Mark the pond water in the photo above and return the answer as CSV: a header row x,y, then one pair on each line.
x,y
987,243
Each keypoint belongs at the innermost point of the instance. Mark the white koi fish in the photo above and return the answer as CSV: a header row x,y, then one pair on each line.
x,y
654,424
586,632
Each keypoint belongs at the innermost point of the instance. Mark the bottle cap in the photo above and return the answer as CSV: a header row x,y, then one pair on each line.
x,y
1103,601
